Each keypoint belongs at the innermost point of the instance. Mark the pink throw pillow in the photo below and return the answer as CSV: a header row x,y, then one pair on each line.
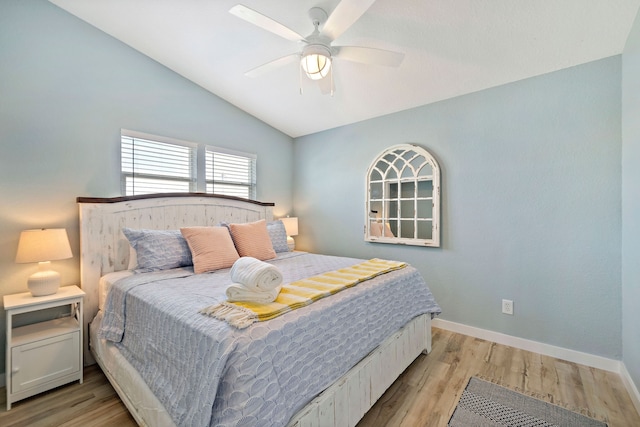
x,y
252,239
211,248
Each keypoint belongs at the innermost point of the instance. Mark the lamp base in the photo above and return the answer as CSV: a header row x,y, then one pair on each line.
x,y
44,282
291,243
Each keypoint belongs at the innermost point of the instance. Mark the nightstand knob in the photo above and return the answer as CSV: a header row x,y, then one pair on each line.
x,y
15,369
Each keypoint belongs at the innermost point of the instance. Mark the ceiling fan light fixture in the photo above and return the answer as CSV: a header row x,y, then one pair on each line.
x,y
316,61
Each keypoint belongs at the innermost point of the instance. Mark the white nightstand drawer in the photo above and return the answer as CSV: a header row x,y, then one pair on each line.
x,y
40,362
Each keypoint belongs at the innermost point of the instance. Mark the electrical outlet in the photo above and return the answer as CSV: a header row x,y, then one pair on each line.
x,y
507,306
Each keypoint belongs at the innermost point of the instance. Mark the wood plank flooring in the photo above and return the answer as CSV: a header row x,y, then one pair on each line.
x,y
428,391
424,395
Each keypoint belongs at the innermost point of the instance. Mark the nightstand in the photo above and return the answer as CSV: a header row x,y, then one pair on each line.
x,y
46,354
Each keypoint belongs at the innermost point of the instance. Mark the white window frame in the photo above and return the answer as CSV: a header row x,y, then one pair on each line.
x,y
198,173
233,185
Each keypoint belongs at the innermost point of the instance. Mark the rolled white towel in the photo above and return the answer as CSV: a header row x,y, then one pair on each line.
x,y
255,275
239,292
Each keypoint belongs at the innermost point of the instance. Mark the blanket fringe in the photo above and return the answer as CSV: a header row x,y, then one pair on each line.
x,y
236,316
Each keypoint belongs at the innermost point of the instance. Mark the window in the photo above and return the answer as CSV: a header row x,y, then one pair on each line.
x,y
154,164
230,174
403,197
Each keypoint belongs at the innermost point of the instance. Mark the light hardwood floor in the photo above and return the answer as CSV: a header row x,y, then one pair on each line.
x,y
425,394
428,391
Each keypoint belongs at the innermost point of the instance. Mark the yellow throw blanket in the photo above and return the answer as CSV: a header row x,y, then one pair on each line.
x,y
300,293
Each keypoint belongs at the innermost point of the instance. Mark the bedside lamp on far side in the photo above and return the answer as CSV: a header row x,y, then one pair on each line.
x,y
43,246
291,226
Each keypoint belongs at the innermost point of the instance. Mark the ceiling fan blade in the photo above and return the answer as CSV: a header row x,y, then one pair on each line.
x,y
277,63
368,55
264,22
343,16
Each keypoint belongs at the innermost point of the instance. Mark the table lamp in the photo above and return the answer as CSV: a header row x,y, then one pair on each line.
x,y
291,227
43,246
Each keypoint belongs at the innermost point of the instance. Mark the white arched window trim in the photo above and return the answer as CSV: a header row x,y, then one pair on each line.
x,y
403,197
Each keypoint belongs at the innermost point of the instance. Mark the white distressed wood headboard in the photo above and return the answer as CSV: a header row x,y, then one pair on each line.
x,y
104,248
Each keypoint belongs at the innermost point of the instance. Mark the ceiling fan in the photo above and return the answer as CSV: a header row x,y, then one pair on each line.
x,y
318,53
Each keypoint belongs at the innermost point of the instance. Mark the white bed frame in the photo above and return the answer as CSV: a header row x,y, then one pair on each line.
x,y
104,249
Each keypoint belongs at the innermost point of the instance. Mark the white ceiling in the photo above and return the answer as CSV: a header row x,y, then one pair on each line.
x,y
452,47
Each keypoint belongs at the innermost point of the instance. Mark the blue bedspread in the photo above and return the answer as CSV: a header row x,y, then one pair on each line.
x,y
207,373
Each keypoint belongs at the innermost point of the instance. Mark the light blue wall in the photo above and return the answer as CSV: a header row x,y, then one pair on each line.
x,y
531,173
531,204
631,204
66,90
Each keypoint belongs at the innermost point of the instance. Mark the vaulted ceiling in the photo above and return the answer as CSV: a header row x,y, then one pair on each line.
x,y
451,47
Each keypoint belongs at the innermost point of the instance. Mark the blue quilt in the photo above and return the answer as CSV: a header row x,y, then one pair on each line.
x,y
207,373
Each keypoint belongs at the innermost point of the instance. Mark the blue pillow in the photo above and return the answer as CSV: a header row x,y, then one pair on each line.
x,y
278,236
158,249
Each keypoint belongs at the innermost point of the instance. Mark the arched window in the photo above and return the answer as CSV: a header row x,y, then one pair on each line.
x,y
403,197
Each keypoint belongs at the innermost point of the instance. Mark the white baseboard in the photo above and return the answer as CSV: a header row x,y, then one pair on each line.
x,y
537,347
574,356
630,386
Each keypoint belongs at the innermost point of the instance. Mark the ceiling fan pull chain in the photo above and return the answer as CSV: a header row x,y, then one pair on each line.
x,y
300,77
332,85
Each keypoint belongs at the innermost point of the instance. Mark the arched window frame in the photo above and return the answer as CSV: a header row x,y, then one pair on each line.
x,y
403,198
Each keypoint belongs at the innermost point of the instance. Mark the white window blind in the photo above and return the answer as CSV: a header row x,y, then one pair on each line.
x,y
155,164
230,173
150,166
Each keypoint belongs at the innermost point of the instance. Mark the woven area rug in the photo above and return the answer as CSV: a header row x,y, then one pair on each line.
x,y
486,404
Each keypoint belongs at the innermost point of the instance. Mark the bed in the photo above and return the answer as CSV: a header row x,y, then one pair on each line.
x,y
216,374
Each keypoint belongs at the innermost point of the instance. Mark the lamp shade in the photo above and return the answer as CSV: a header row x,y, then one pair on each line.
x,y
290,225
46,244
43,246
